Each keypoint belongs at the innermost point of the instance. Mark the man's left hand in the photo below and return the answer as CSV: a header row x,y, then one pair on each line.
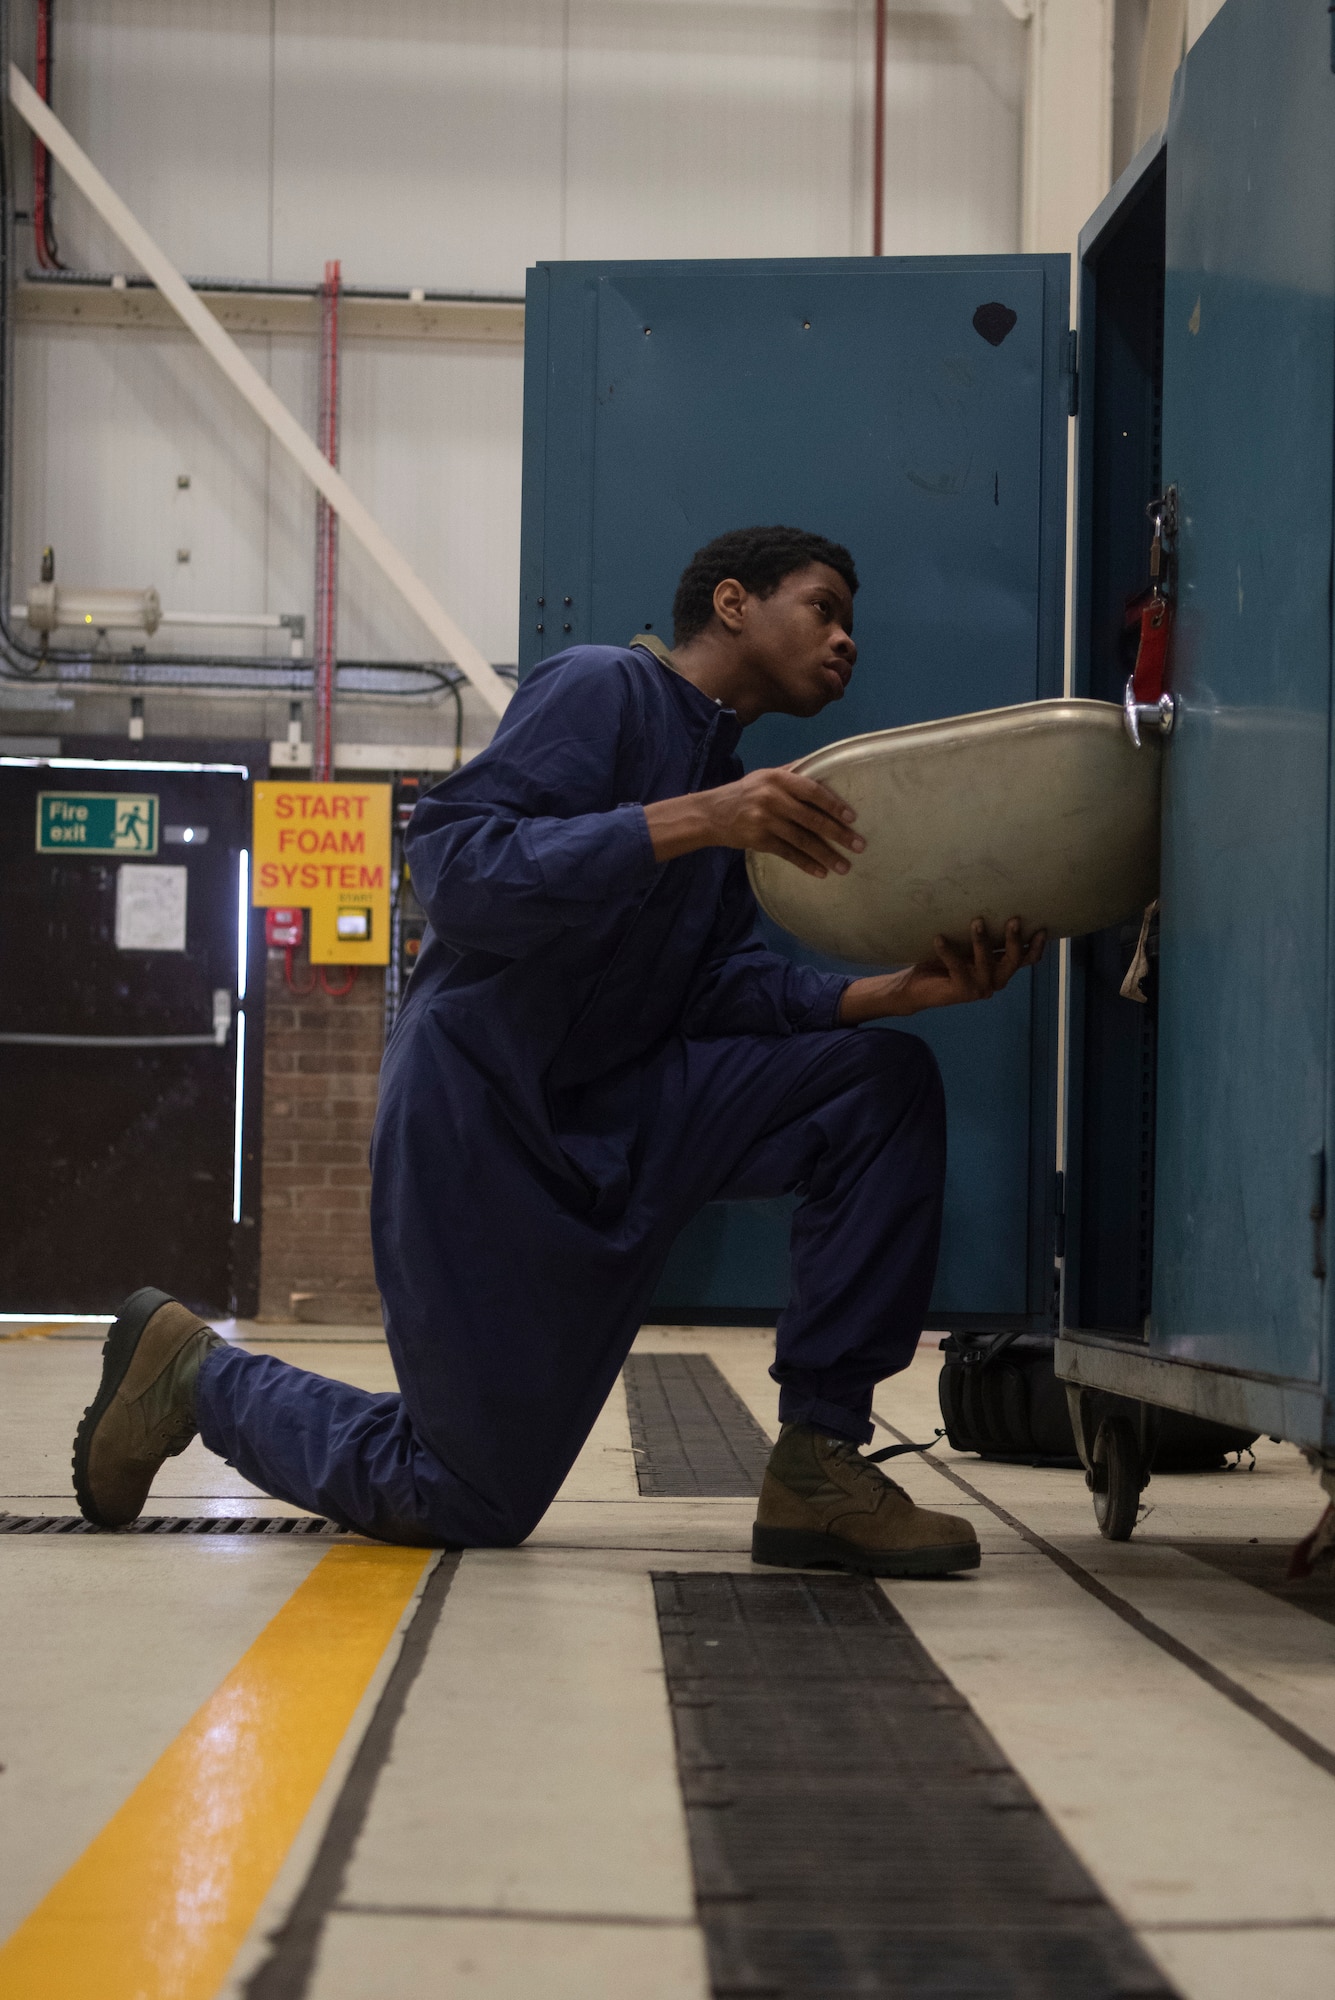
x,y
948,980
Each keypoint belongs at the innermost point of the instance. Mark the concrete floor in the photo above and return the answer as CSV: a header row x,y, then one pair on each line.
x,y
524,1834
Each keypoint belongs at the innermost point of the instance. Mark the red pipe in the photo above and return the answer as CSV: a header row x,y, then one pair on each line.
x,y
326,571
878,140
326,536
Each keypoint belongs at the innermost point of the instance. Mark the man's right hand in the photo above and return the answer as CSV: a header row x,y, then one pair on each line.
x,y
768,812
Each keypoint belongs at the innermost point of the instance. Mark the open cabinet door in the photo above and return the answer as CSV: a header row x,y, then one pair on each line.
x,y
1249,421
916,410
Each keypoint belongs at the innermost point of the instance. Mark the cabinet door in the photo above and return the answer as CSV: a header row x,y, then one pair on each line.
x,y
1249,357
915,409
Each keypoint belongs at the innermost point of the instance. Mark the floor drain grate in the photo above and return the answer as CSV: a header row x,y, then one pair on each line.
x,y
172,1524
691,1432
854,1829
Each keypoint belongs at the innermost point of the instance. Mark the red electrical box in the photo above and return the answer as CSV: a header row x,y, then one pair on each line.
x,y
284,927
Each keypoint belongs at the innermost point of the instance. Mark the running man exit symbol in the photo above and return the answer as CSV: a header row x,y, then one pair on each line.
x,y
97,823
134,824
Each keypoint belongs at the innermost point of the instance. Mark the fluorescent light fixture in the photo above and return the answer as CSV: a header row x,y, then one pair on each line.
x,y
240,1115
119,764
242,922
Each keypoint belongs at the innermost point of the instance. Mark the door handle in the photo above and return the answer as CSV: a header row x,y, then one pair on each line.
x,y
222,1015
222,1027
1160,715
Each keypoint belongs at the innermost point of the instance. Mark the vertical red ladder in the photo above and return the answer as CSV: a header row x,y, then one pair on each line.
x,y
326,535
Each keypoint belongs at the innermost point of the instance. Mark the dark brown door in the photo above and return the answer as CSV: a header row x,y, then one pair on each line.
x,y
123,1032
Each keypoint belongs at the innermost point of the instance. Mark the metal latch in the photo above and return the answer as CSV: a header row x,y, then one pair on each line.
x,y
1145,704
1163,516
1138,715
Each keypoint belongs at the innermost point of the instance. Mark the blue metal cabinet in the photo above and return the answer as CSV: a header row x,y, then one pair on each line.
x,y
917,410
1238,1324
1249,430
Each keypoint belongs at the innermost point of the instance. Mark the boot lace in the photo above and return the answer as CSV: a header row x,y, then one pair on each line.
x,y
868,1475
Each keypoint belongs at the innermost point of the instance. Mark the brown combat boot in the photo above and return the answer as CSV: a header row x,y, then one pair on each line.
x,y
822,1502
144,1410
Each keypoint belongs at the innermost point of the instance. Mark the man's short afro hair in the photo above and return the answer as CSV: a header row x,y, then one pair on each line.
x,y
760,559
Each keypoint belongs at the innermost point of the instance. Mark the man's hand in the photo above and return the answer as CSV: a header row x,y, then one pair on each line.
x,y
769,812
948,980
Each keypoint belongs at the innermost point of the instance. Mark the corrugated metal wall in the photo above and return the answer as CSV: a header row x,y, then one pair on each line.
x,y
447,144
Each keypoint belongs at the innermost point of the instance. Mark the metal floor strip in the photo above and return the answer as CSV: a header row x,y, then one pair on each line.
x,y
1265,1565
854,1829
173,1524
1242,1697
692,1434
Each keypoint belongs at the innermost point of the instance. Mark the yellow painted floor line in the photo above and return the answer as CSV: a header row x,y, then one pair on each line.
x,y
158,1904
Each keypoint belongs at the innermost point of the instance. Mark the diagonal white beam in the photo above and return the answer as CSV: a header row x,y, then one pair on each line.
x,y
248,381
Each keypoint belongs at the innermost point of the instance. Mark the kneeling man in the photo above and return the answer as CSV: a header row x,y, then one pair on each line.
x,y
593,1045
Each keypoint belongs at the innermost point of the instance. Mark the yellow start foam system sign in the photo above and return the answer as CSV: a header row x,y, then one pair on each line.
x,y
325,848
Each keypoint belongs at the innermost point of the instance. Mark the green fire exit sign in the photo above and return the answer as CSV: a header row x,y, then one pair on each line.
x,y
97,823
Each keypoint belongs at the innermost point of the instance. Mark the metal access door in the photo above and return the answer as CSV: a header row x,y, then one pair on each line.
x,y
915,409
1249,420
122,1042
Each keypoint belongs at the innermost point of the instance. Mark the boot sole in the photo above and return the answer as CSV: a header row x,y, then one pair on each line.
x,y
799,1548
118,1351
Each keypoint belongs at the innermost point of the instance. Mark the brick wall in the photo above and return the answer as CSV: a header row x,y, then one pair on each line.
x,y
321,1063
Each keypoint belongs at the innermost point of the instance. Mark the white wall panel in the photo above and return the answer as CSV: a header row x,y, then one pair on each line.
x,y
418,140
108,422
710,130
172,99
953,129
1069,129
448,144
105,425
433,445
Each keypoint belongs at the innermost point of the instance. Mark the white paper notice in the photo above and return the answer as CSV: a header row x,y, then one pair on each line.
x,y
150,908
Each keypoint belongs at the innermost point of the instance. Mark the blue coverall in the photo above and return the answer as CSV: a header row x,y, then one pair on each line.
x,y
592,1046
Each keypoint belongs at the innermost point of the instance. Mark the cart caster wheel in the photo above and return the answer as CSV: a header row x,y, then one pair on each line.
x,y
1115,1478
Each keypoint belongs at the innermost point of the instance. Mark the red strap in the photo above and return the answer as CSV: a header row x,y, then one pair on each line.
x,y
1156,624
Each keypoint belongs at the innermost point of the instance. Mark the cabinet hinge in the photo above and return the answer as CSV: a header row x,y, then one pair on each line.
x,y
1317,1212
1073,373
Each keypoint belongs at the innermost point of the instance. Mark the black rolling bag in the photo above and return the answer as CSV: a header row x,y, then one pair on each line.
x,y
1000,1397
